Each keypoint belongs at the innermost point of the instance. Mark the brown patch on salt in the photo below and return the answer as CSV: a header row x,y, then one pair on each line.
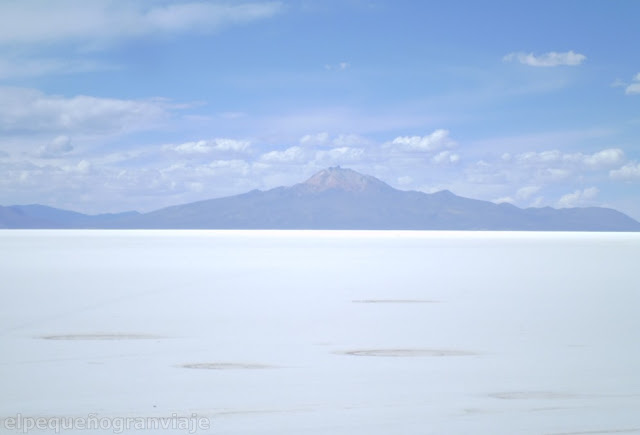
x,y
260,411
599,431
532,395
394,301
117,336
408,352
226,366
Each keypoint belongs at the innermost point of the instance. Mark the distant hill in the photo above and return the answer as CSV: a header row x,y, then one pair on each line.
x,y
334,198
42,216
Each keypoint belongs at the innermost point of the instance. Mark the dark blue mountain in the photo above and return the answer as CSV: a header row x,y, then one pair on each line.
x,y
42,216
334,198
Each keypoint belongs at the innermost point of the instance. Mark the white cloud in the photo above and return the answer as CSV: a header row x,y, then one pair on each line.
x,y
57,147
199,147
232,115
195,186
527,192
554,174
604,158
519,178
29,110
83,167
341,66
324,139
346,140
290,155
633,88
42,21
204,16
445,157
578,197
222,144
618,83
540,157
504,199
522,197
236,165
339,155
630,171
153,176
405,180
601,159
437,140
11,67
537,202
314,139
209,146
630,88
550,59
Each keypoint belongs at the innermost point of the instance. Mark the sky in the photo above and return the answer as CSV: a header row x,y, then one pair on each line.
x,y
113,105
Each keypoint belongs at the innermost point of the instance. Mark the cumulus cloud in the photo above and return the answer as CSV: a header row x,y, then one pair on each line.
x,y
629,172
527,192
634,87
405,180
324,139
213,145
531,172
445,157
550,59
235,165
435,141
59,146
314,139
42,21
290,155
339,155
578,197
29,110
629,88
606,158
503,199
154,176
554,174
297,154
82,167
346,140
523,195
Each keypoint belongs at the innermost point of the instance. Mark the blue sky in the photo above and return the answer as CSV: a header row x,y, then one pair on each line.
x,y
111,105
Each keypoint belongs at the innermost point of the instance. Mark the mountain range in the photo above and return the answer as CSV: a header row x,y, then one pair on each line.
x,y
334,198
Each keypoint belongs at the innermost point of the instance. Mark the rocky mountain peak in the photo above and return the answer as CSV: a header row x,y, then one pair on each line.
x,y
343,179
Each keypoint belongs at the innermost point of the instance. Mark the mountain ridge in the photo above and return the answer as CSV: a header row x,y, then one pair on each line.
x,y
333,198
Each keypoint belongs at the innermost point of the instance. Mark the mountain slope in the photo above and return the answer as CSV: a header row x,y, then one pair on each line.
x,y
336,198
42,216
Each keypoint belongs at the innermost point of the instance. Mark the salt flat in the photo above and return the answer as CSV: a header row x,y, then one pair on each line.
x,y
324,332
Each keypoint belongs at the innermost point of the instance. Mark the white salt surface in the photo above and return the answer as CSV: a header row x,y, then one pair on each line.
x,y
323,332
